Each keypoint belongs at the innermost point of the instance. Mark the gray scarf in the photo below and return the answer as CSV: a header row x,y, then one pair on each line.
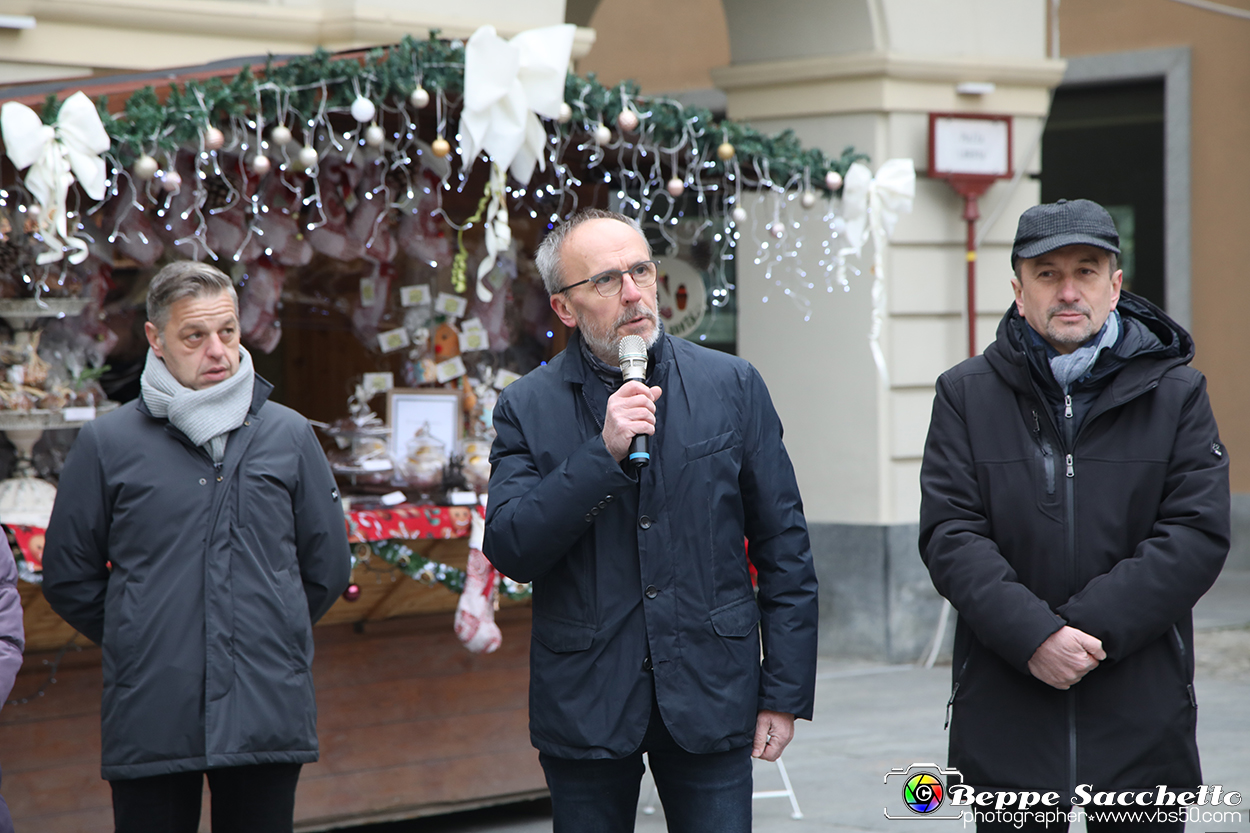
x,y
206,416
1069,367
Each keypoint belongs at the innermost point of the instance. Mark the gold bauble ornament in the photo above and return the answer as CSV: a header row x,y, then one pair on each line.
x,y
441,147
725,151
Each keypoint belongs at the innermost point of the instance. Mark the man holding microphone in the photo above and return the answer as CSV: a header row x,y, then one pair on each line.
x,y
646,630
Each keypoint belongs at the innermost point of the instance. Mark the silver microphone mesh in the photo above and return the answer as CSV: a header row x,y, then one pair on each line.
x,y
633,356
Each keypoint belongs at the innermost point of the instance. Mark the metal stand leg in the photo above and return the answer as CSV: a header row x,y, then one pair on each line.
x,y
788,792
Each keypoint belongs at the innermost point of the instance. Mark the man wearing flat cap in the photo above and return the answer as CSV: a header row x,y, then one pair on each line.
x,y
1075,507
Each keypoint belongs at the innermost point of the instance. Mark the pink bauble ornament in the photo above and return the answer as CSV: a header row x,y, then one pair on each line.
x,y
419,97
628,120
171,181
352,593
675,187
214,139
280,135
363,109
145,167
833,180
260,164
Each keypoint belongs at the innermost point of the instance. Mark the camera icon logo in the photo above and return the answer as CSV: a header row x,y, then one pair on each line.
x,y
923,790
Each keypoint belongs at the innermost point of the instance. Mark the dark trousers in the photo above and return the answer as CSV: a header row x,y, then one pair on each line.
x,y
700,793
245,799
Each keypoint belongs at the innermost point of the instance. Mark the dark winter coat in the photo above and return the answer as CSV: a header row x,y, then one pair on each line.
x,y
12,628
205,618
1115,528
641,576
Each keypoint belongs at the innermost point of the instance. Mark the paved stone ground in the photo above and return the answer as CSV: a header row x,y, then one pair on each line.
x,y
871,718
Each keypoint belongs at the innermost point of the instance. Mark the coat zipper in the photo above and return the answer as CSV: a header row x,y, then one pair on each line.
x,y
1048,454
1180,646
950,704
1070,526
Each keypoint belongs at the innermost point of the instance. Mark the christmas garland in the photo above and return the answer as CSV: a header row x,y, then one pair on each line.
x,y
416,566
405,77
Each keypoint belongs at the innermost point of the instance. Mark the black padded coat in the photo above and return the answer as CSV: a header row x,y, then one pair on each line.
x,y
1115,527
217,574
645,577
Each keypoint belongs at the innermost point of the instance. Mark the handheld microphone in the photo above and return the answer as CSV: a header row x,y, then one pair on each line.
x,y
633,356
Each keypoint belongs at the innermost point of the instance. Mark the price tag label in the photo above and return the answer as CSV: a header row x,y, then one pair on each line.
x,y
415,296
392,340
453,368
453,306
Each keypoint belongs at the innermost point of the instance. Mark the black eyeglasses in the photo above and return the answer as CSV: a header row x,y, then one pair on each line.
x,y
609,283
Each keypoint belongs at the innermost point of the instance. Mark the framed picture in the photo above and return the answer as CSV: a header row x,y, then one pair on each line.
x,y
408,409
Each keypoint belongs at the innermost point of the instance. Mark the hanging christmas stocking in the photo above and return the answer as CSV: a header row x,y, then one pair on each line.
x,y
475,612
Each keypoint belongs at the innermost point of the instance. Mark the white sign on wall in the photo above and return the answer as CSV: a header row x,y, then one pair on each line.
x,y
971,146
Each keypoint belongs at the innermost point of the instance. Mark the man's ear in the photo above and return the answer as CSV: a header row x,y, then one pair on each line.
x,y
154,338
1018,288
1117,281
561,306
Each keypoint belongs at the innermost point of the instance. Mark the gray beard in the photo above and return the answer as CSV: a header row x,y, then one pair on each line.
x,y
607,345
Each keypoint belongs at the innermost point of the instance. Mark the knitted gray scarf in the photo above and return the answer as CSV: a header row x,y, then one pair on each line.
x,y
1067,368
206,416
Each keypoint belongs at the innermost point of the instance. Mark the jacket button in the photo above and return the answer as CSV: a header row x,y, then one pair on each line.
x,y
594,510
603,504
644,522
608,498
589,517
651,591
203,482
646,664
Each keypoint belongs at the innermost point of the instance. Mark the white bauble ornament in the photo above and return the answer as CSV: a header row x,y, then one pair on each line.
x,y
441,147
145,167
725,151
308,156
374,136
740,215
602,134
675,187
171,181
280,135
34,210
777,230
808,199
214,139
566,113
261,164
419,97
833,180
628,120
363,109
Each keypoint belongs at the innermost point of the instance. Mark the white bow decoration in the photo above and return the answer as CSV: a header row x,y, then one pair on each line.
x,y
870,206
505,84
498,232
55,155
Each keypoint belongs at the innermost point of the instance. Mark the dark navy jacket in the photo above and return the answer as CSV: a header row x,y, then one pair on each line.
x,y
641,577
1116,526
216,577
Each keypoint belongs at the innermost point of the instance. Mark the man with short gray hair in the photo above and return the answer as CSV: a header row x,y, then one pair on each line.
x,y
647,632
197,536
